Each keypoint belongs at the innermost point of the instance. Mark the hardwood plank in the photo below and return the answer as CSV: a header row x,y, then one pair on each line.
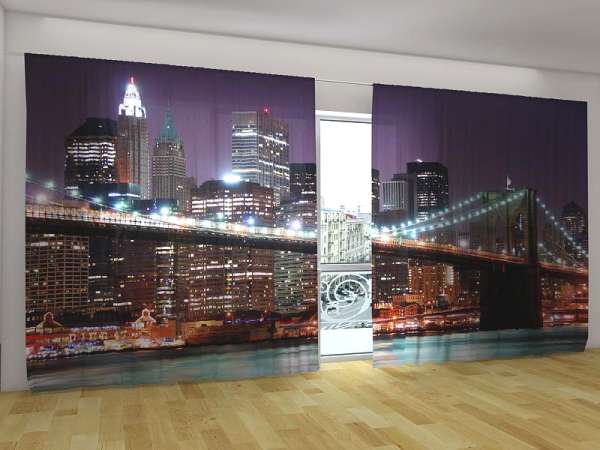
x,y
521,404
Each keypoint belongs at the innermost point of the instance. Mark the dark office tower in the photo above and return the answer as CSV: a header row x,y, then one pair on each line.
x,y
135,275
56,276
168,165
390,278
574,220
431,187
133,152
237,202
260,151
90,153
101,275
303,182
375,182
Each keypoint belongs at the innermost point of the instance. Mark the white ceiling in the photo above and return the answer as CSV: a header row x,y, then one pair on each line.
x,y
559,34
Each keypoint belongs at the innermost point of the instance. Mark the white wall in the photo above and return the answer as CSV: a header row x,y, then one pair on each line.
x,y
28,33
1,153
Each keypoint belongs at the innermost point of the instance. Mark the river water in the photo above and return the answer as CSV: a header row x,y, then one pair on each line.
x,y
173,365
478,345
286,357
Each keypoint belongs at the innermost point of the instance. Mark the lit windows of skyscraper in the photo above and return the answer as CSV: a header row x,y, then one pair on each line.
x,y
168,166
228,280
90,155
375,187
295,281
165,279
303,182
431,187
297,215
301,209
574,220
399,194
390,278
236,202
260,151
56,275
295,276
133,153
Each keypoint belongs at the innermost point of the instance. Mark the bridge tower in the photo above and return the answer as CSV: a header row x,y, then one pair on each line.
x,y
510,293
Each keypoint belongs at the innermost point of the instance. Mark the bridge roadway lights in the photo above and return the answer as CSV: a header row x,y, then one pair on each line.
x,y
209,237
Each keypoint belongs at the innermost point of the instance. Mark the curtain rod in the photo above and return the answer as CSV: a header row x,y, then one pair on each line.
x,y
358,83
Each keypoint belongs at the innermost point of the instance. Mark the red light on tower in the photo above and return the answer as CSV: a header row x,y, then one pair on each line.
x,y
266,110
131,80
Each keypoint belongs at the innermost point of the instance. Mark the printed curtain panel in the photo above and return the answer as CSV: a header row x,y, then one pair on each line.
x,y
480,246
171,223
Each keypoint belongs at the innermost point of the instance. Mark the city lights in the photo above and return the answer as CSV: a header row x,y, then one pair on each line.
x,y
232,178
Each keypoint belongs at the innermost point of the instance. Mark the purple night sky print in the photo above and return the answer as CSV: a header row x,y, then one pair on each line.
x,y
63,91
482,139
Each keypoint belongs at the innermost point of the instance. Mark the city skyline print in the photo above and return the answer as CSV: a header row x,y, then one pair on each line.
x,y
480,235
170,223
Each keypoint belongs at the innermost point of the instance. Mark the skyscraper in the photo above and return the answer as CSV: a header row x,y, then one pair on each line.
x,y
431,185
236,202
375,184
295,275
56,275
90,155
574,220
399,194
229,279
168,165
135,275
225,279
303,182
297,215
390,277
260,151
133,152
301,209
295,281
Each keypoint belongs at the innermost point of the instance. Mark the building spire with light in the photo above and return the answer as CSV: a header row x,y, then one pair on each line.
x,y
168,133
132,102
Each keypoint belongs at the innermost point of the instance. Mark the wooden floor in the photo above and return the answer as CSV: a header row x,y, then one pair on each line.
x,y
545,403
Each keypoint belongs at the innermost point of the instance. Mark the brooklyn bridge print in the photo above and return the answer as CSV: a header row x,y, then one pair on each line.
x,y
480,246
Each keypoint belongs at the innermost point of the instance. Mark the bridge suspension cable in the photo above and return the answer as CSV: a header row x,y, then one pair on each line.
x,y
446,217
552,220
